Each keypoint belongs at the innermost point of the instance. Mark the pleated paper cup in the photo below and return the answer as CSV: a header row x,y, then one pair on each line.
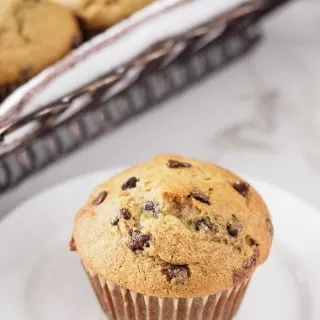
x,y
122,304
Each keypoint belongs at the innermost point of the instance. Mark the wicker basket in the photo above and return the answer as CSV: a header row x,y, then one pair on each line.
x,y
167,68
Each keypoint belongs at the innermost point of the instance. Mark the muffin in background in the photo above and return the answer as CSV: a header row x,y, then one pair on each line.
x,y
33,35
173,238
101,14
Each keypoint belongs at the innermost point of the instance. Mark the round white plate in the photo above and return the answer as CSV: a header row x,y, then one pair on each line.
x,y
41,280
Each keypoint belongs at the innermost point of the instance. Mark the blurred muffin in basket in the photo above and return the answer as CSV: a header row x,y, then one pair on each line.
x,y
173,238
100,14
33,35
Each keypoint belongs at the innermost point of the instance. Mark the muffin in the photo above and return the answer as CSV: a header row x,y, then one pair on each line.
x,y
173,238
33,35
100,14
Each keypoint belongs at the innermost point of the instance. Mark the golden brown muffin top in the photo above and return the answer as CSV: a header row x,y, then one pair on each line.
x,y
33,35
100,14
173,227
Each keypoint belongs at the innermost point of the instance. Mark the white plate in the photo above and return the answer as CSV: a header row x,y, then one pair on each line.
x,y
41,280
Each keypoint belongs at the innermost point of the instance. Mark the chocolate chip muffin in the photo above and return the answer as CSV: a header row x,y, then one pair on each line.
x,y
171,239
100,14
33,35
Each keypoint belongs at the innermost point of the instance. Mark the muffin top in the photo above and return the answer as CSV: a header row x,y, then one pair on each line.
x,y
100,14
173,227
33,35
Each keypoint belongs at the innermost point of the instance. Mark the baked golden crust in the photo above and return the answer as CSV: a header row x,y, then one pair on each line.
x,y
173,227
100,14
33,35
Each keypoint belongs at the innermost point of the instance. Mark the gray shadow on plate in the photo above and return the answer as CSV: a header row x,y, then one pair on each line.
x,y
294,268
57,288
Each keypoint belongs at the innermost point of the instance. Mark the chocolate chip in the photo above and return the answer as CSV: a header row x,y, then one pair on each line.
x,y
177,164
200,197
72,245
125,213
235,227
234,230
130,183
181,272
242,187
151,206
250,242
115,221
250,263
204,223
138,241
270,226
100,198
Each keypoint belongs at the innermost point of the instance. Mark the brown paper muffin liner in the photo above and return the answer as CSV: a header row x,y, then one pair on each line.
x,y
122,304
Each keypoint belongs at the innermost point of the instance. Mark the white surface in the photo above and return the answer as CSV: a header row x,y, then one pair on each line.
x,y
260,117
40,279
